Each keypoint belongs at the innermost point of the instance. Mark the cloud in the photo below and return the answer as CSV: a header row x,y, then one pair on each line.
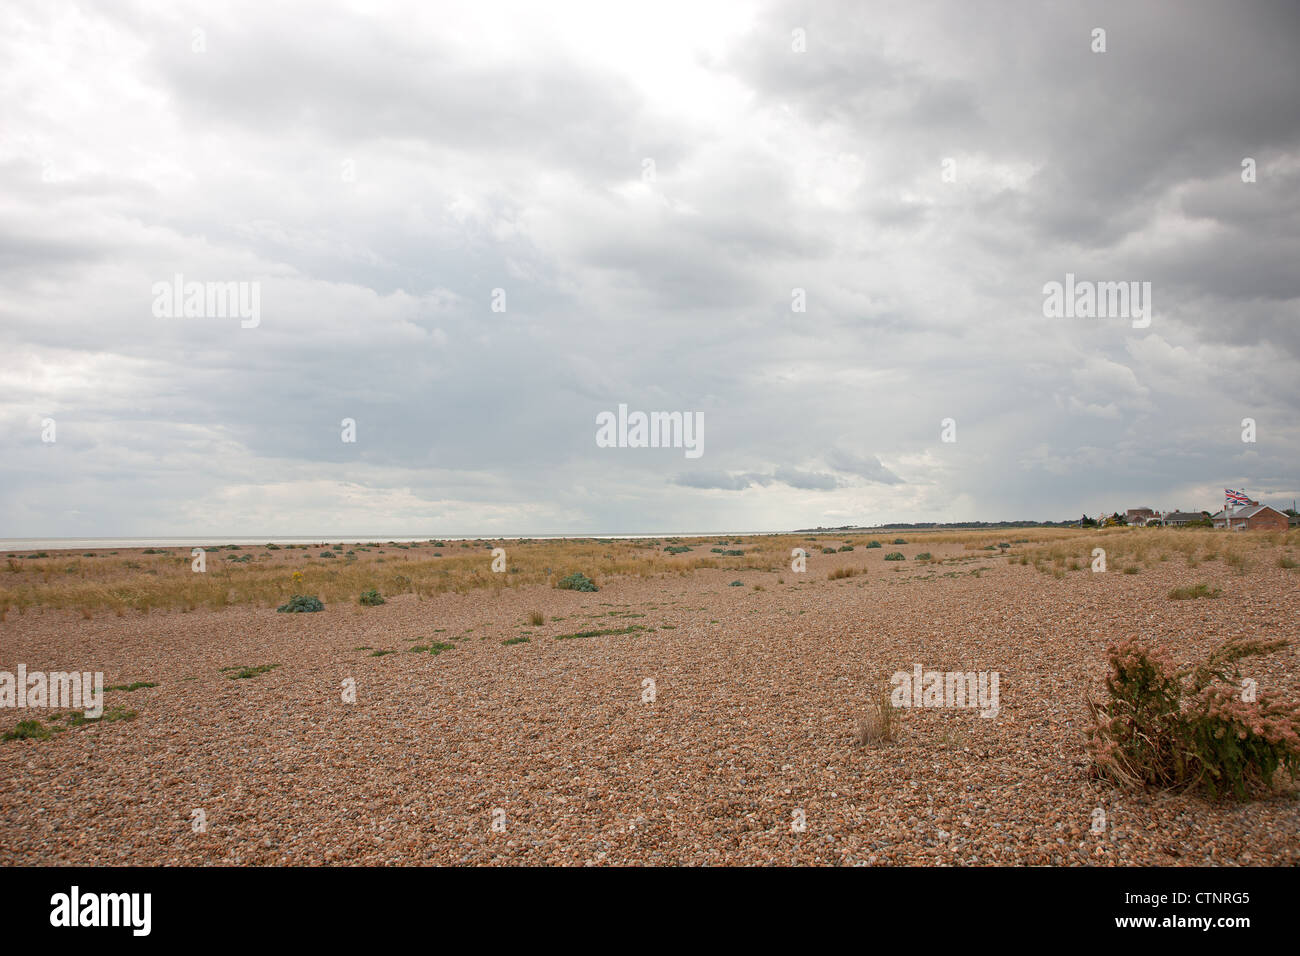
x,y
381,176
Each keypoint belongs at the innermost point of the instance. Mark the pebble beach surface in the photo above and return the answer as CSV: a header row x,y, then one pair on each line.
x,y
714,726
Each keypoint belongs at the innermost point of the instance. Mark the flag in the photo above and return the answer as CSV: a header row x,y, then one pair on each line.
x,y
1235,497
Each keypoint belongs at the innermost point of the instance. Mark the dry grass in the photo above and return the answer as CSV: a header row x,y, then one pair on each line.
x,y
133,580
1146,547
880,722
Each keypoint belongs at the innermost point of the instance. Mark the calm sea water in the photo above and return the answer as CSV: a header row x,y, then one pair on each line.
x,y
96,544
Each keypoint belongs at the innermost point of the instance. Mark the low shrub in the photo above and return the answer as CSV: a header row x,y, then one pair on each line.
x,y
371,598
1190,729
895,556
873,544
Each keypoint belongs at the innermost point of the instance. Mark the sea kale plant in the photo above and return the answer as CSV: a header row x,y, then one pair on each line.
x,y
301,604
1170,729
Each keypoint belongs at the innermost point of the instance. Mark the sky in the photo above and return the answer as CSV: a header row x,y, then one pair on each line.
x,y
824,230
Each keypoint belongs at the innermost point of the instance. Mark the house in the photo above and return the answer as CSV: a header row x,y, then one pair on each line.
x,y
1177,519
1251,517
1139,516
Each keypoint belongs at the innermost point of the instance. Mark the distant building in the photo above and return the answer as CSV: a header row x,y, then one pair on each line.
x,y
1252,517
1139,516
1177,519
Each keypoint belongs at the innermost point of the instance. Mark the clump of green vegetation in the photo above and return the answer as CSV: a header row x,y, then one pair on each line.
x,y
1132,569
436,648
301,604
328,554
577,581
29,730
828,550
622,630
736,584
244,673
899,541
274,547
111,714
370,598
381,653
515,640
1288,563
895,556
677,549
1193,592
873,544
923,556
847,547
732,553
1171,729
135,686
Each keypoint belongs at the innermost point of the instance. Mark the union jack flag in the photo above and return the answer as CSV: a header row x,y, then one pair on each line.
x,y
1235,497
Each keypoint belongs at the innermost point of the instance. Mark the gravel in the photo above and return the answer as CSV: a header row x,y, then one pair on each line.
x,y
756,697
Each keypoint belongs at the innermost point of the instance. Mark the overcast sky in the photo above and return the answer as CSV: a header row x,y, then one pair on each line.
x,y
378,170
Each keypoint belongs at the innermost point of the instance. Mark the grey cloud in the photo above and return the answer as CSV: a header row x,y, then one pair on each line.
x,y
516,164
